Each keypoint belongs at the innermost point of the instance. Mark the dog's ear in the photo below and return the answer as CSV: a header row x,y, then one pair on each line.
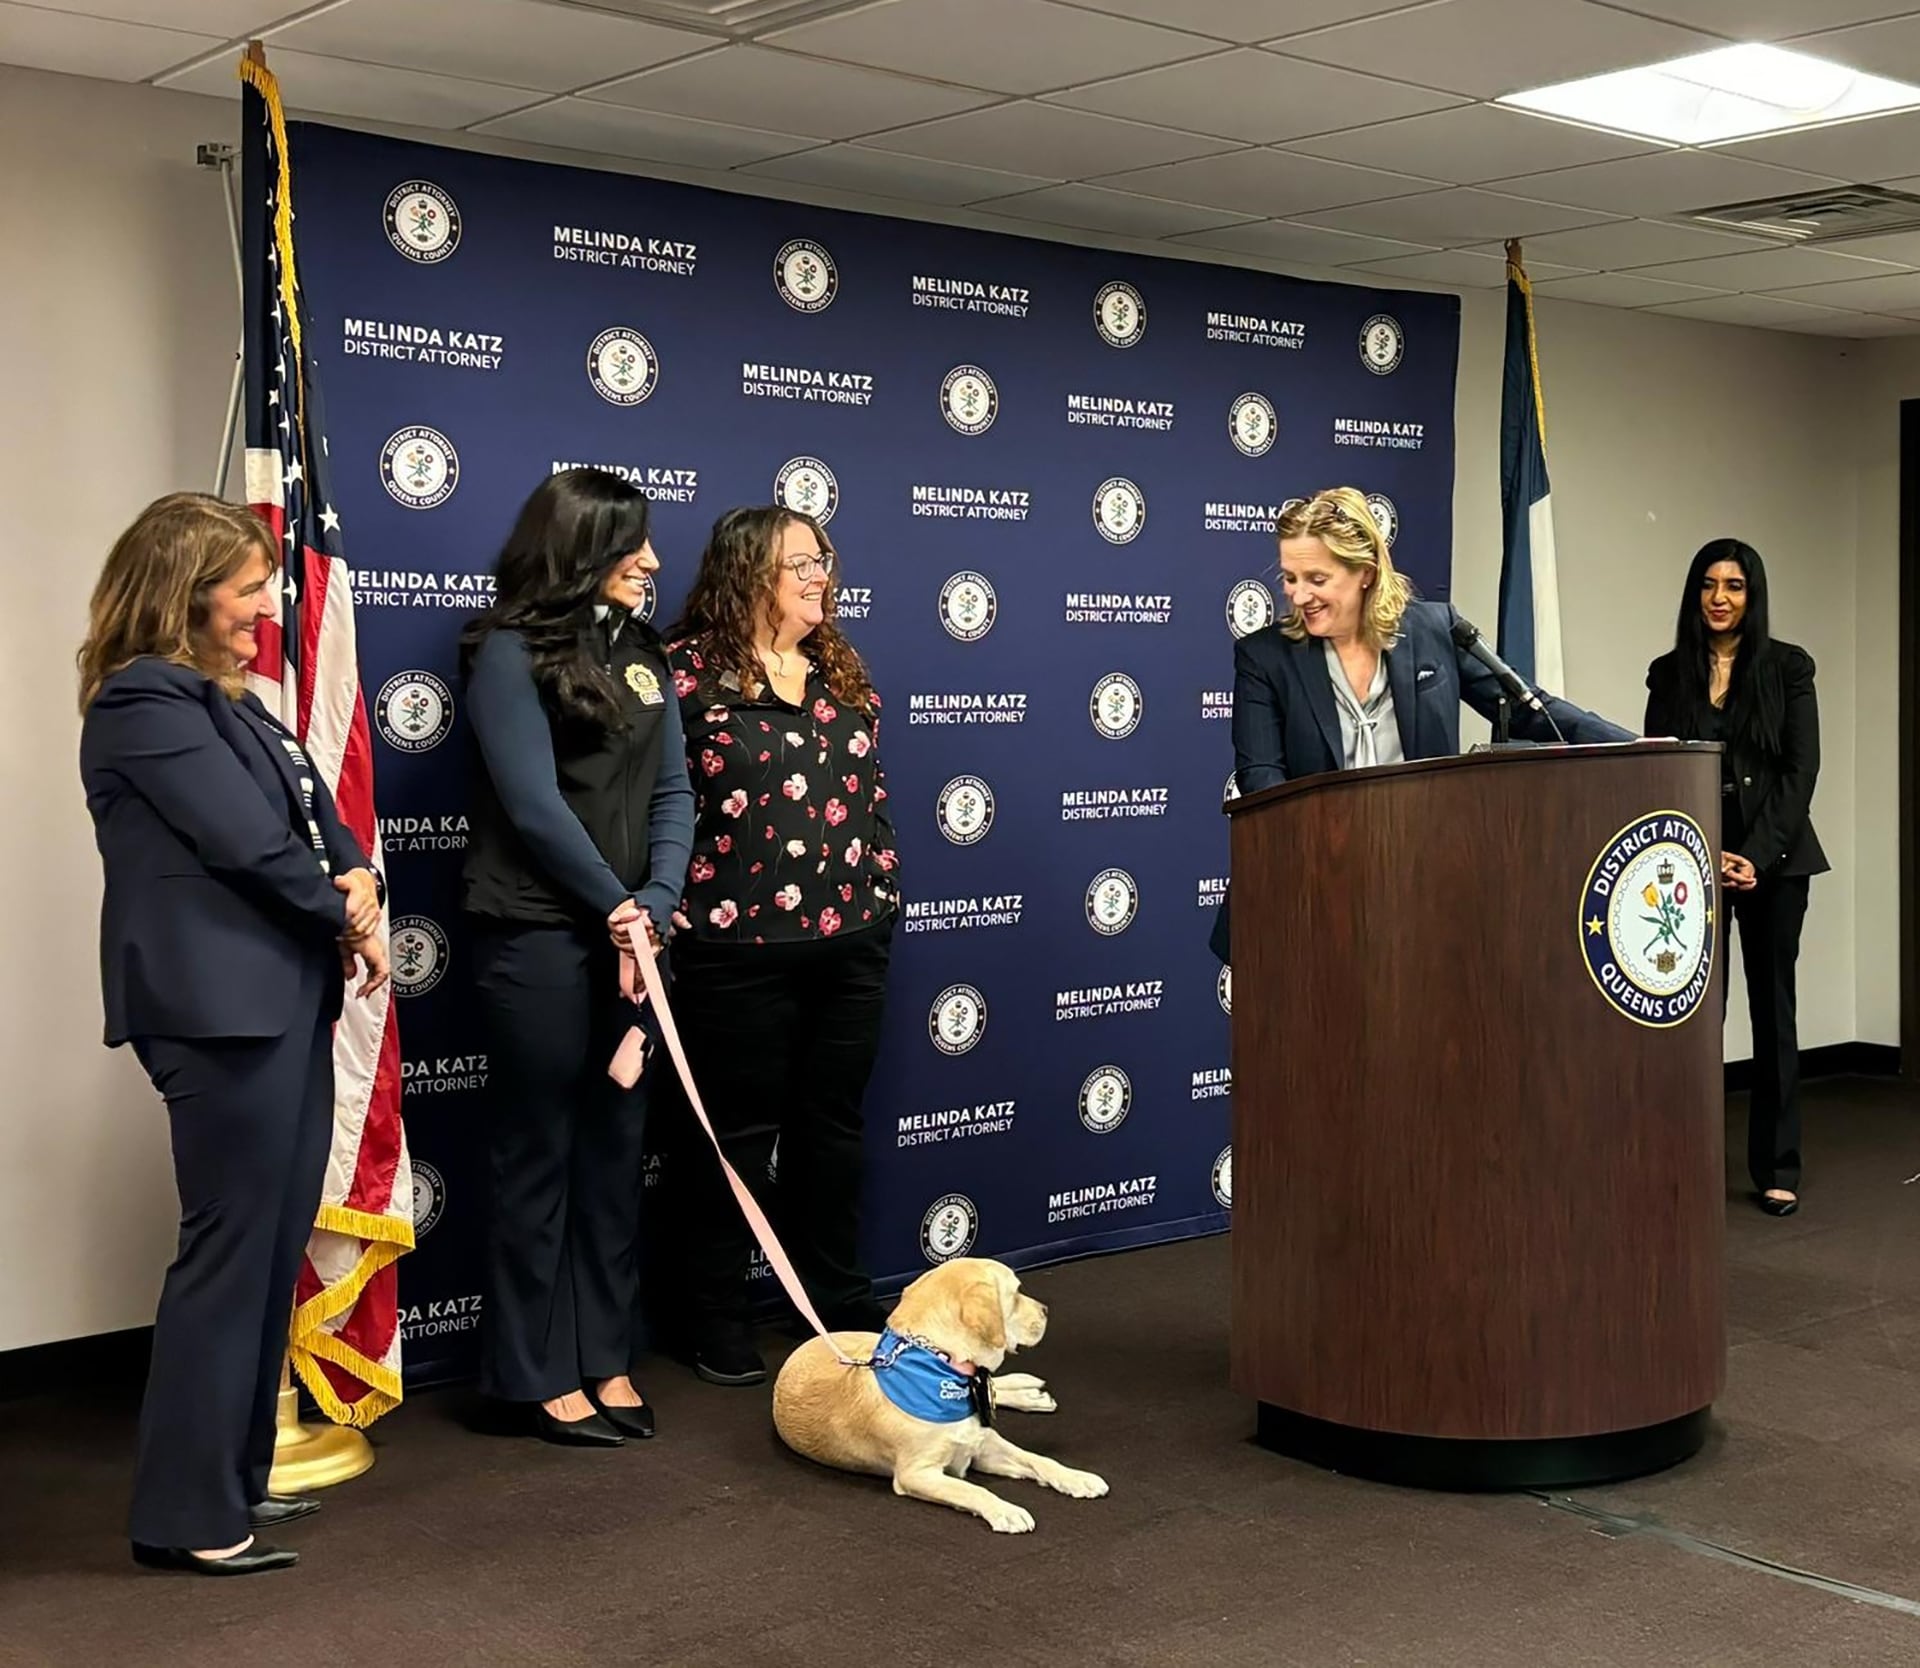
x,y
980,1314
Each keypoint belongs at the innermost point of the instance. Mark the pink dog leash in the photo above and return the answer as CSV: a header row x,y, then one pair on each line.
x,y
629,1061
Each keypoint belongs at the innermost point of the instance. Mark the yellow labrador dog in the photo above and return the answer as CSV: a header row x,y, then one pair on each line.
x,y
914,1414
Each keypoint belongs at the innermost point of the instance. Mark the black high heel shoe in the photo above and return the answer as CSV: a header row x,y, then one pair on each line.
x,y
629,1421
1777,1207
590,1432
255,1560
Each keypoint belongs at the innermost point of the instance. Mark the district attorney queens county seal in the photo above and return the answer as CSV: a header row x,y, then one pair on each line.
x,y
422,221
1647,919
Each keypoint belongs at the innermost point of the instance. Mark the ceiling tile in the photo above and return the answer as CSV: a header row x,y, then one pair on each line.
x,y
1891,48
1243,20
1457,267
1617,289
1486,47
1008,46
1764,20
1628,243
1273,183
1665,183
1456,216
1255,96
1068,144
1860,326
793,93
514,42
70,45
1286,240
228,19
1761,310
1873,148
1095,208
1892,292
1769,269
373,92
1472,144
888,174
579,124
1902,248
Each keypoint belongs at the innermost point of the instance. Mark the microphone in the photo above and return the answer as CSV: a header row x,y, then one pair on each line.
x,y
1466,635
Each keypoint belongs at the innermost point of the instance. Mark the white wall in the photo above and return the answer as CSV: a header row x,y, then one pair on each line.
x,y
116,339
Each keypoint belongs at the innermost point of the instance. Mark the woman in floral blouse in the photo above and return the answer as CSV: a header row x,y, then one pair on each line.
x,y
781,959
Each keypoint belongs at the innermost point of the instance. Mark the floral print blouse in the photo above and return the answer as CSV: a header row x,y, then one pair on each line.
x,y
791,834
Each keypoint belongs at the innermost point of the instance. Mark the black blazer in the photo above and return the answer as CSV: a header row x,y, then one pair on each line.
x,y
1286,725
218,920
1775,790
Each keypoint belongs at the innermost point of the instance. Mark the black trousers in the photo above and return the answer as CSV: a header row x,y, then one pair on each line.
x,y
564,1151
1770,918
252,1121
782,1040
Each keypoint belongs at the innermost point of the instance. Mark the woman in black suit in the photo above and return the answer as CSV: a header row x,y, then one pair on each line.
x,y
237,907
1359,672
1728,680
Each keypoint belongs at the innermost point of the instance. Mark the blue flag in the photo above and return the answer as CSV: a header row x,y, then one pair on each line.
x,y
1529,626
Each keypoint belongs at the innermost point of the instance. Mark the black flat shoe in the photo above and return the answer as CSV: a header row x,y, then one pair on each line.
x,y
277,1509
254,1561
629,1421
727,1356
590,1432
1777,1207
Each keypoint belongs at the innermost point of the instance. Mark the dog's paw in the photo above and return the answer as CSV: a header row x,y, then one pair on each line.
x,y
1005,1518
1025,1399
1080,1485
1003,1382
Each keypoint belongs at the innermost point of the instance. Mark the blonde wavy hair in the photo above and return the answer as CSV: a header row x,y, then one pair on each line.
x,y
1339,518
151,596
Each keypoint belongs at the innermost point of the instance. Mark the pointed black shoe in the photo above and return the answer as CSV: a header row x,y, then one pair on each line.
x,y
628,1421
590,1432
277,1509
1777,1207
256,1560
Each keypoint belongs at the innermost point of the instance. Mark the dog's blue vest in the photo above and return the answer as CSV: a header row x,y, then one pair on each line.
x,y
921,1384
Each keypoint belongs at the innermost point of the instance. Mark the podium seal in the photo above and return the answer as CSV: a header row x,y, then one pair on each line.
x,y
1647,919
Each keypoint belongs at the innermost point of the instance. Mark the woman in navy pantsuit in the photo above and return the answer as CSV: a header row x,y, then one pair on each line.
x,y
237,908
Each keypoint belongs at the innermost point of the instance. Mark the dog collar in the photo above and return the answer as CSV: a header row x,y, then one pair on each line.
x,y
925,1384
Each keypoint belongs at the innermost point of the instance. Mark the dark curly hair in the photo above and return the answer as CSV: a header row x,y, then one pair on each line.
x,y
736,591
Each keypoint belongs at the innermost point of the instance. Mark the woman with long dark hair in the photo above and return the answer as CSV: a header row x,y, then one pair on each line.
x,y
1728,679
581,824
781,964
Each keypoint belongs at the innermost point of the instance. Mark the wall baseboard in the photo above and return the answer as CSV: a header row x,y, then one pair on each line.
x,y
1849,1059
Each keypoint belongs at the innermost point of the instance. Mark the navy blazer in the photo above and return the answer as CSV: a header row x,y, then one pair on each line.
x,y
218,920
1286,725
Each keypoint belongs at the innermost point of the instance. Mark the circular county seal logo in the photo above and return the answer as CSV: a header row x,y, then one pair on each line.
x,y
1252,424
1231,791
1646,919
968,606
429,1198
1112,902
1119,510
1223,989
418,954
1385,515
968,400
622,366
807,487
649,599
805,276
1105,1099
1223,1177
419,468
1249,608
423,222
1116,706
947,1230
1382,342
966,810
1119,315
958,1019
414,710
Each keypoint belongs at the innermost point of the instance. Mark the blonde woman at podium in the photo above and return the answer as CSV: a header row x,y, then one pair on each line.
x,y
1360,672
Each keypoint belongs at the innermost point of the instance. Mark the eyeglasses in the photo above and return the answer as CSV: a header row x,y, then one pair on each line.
x,y
806,567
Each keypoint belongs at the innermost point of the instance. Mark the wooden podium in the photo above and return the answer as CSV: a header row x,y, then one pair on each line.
x,y
1479,1199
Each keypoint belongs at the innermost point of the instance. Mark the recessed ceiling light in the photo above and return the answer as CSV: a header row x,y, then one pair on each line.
x,y
1735,92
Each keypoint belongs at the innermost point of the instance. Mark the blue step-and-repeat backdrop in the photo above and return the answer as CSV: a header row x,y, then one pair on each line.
x,y
1051,473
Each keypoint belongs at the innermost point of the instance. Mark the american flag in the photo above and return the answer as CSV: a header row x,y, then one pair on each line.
x,y
345,1336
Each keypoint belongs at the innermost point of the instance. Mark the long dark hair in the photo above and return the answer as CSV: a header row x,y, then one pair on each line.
x,y
1756,706
574,527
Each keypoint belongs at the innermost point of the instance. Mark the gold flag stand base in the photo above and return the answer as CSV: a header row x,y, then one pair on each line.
x,y
306,1457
